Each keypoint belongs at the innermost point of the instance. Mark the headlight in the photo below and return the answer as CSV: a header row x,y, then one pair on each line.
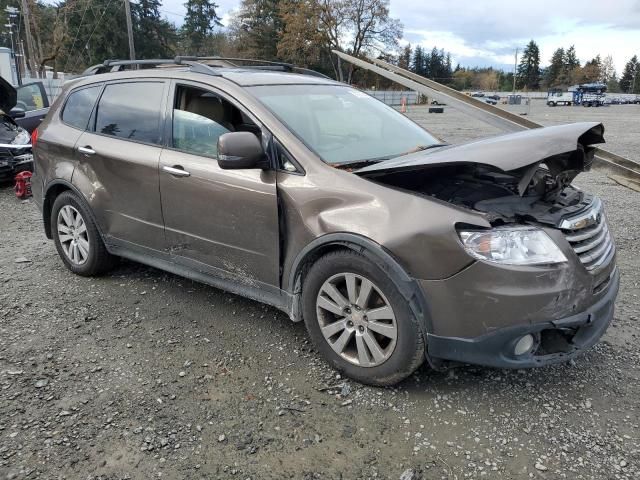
x,y
22,138
512,246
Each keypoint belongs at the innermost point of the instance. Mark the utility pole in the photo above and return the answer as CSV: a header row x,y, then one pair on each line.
x,y
26,15
515,71
12,13
132,48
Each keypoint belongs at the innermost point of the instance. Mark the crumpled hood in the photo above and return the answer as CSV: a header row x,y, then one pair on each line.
x,y
508,152
8,96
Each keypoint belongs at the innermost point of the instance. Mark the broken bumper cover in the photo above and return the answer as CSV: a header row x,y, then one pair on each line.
x,y
14,159
496,349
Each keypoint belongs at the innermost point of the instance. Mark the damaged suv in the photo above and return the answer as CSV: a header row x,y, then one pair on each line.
x,y
311,196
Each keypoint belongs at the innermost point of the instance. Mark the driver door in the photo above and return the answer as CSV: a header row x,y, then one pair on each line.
x,y
224,222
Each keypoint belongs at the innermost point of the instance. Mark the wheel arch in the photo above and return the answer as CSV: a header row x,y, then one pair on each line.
x,y
52,191
375,253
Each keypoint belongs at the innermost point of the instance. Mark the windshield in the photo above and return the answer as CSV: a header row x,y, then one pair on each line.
x,y
341,124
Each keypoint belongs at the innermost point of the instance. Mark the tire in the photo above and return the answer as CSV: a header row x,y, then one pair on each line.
x,y
395,359
551,104
89,256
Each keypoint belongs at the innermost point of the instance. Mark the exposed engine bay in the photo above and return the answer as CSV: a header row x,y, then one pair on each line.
x,y
540,191
545,199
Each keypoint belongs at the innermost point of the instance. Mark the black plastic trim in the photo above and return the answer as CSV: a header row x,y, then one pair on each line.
x,y
200,272
408,287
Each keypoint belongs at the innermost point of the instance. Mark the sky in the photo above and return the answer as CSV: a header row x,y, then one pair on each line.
x,y
487,32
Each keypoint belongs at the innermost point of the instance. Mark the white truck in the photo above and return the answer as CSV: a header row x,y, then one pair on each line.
x,y
558,97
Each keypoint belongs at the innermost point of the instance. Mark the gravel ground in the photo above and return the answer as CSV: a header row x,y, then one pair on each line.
x,y
143,374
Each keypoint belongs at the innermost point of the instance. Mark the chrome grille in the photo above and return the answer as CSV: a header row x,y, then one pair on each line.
x,y
589,236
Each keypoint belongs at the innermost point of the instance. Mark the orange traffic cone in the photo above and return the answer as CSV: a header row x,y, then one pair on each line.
x,y
403,105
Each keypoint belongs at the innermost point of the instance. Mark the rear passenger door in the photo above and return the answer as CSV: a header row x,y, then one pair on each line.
x,y
118,157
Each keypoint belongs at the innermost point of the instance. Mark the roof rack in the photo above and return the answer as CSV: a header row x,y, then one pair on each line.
x,y
118,65
205,65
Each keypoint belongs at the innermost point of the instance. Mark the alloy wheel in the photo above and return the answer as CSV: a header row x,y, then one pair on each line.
x,y
73,235
356,319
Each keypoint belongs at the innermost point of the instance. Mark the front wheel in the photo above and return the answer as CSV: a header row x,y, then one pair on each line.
x,y
358,319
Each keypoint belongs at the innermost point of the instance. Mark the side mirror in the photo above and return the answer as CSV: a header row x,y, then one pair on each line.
x,y
16,113
241,150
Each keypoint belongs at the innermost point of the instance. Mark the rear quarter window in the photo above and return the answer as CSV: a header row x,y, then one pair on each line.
x,y
77,109
131,111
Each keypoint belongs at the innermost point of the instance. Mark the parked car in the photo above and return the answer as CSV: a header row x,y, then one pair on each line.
x,y
490,100
494,97
15,141
32,100
391,246
477,94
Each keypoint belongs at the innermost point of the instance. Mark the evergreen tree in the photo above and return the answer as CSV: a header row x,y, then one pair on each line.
x,y
258,27
529,68
554,71
418,65
199,22
630,72
97,32
571,64
571,60
154,36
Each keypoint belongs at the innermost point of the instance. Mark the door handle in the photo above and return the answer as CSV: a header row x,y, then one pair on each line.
x,y
87,150
176,171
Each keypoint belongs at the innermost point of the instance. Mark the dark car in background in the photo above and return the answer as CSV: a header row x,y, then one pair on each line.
x,y
32,105
15,140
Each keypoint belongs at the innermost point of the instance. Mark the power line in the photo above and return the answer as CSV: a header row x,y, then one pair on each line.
x,y
73,44
94,29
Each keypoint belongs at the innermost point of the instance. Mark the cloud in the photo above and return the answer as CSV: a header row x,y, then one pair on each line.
x,y
487,32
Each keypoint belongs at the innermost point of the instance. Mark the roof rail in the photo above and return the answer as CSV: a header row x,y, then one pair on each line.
x,y
200,65
117,65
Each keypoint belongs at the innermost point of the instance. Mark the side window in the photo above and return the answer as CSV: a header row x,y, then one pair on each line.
x,y
79,105
131,111
200,117
31,97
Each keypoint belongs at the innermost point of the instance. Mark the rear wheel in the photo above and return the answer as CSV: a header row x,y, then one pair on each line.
x,y
359,320
77,238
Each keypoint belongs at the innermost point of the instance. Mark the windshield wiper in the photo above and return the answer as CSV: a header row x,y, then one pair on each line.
x,y
369,161
421,148
358,163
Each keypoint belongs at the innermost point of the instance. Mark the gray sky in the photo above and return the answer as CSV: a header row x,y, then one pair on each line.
x,y
486,32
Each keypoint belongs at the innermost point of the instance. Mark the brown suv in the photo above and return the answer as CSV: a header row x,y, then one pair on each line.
x,y
309,195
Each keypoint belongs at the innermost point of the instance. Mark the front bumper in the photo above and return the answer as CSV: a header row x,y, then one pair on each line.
x,y
14,159
558,340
